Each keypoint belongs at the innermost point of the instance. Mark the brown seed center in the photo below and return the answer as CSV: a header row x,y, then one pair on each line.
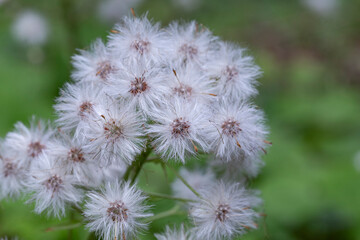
x,y
117,211
85,108
231,127
183,90
54,183
230,73
113,130
222,211
180,127
35,148
76,155
104,69
141,46
188,50
9,169
138,86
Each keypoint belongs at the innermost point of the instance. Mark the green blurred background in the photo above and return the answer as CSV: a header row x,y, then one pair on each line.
x,y
310,91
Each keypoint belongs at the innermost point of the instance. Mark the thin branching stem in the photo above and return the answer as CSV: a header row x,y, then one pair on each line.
x,y
170,212
184,181
139,162
63,227
164,196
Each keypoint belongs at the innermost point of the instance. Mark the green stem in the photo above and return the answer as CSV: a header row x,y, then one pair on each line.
x,y
184,181
154,160
127,173
172,211
139,162
77,208
64,227
164,196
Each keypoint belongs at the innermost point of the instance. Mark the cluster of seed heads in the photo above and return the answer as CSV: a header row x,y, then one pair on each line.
x,y
167,94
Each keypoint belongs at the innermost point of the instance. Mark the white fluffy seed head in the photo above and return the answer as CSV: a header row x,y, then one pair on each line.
x,y
117,211
139,83
95,65
225,211
115,137
12,174
137,38
189,43
175,234
51,187
190,83
29,143
178,130
71,158
236,130
77,105
234,72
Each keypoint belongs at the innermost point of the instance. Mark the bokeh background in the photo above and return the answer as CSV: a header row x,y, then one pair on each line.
x,y
309,51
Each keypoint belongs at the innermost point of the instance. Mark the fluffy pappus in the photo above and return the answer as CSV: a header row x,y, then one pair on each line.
x,y
137,38
175,234
234,72
51,187
197,180
190,83
29,143
189,43
236,130
225,211
140,83
95,65
117,211
70,157
12,175
178,130
77,105
115,137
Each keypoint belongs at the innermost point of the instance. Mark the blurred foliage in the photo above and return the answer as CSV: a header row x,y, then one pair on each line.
x,y
309,91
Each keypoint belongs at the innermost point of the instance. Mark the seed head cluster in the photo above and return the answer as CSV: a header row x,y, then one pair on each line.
x,y
148,94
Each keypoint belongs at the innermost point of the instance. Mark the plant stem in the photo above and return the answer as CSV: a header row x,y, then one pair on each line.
x,y
78,209
64,227
139,162
154,160
164,196
170,212
184,181
127,173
